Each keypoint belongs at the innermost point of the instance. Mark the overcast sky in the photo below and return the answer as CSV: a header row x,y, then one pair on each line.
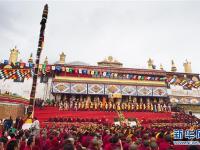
x,y
88,31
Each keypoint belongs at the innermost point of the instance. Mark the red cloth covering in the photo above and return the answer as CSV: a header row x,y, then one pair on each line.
x,y
55,143
134,138
180,147
160,140
85,141
48,144
144,148
106,139
22,145
27,148
164,145
125,146
37,145
111,146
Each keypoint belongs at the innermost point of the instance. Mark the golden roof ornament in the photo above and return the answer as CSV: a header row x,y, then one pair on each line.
x,y
150,63
161,67
110,58
110,62
62,58
30,60
13,55
187,66
46,60
173,68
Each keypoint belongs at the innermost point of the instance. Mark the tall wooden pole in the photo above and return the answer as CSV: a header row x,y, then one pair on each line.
x,y
39,50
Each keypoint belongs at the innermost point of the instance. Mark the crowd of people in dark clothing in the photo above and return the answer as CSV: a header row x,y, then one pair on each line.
x,y
8,123
180,117
95,136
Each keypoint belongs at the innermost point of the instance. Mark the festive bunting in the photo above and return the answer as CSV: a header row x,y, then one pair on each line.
x,y
63,69
40,67
43,68
75,71
84,71
15,73
48,68
115,75
92,72
96,72
17,64
67,69
31,65
107,74
173,80
27,65
53,67
148,78
88,72
58,68
70,70
197,84
6,62
22,65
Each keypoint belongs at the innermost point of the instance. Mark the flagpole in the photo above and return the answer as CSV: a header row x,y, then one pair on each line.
x,y
37,61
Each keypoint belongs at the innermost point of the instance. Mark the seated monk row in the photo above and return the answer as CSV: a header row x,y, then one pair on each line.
x,y
111,106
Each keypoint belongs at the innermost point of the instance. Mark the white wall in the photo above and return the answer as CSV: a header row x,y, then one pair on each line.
x,y
24,88
179,91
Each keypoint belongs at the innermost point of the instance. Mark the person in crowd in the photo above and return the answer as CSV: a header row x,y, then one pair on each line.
x,y
30,143
8,123
35,127
13,145
93,136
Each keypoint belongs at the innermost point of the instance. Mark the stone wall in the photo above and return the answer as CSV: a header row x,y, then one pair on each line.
x,y
13,110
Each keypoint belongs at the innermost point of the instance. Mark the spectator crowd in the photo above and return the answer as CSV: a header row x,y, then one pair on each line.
x,y
94,136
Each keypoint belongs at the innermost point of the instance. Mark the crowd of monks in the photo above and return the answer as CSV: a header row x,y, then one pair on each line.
x,y
109,105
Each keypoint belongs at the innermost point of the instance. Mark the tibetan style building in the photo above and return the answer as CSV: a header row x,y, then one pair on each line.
x,y
109,79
